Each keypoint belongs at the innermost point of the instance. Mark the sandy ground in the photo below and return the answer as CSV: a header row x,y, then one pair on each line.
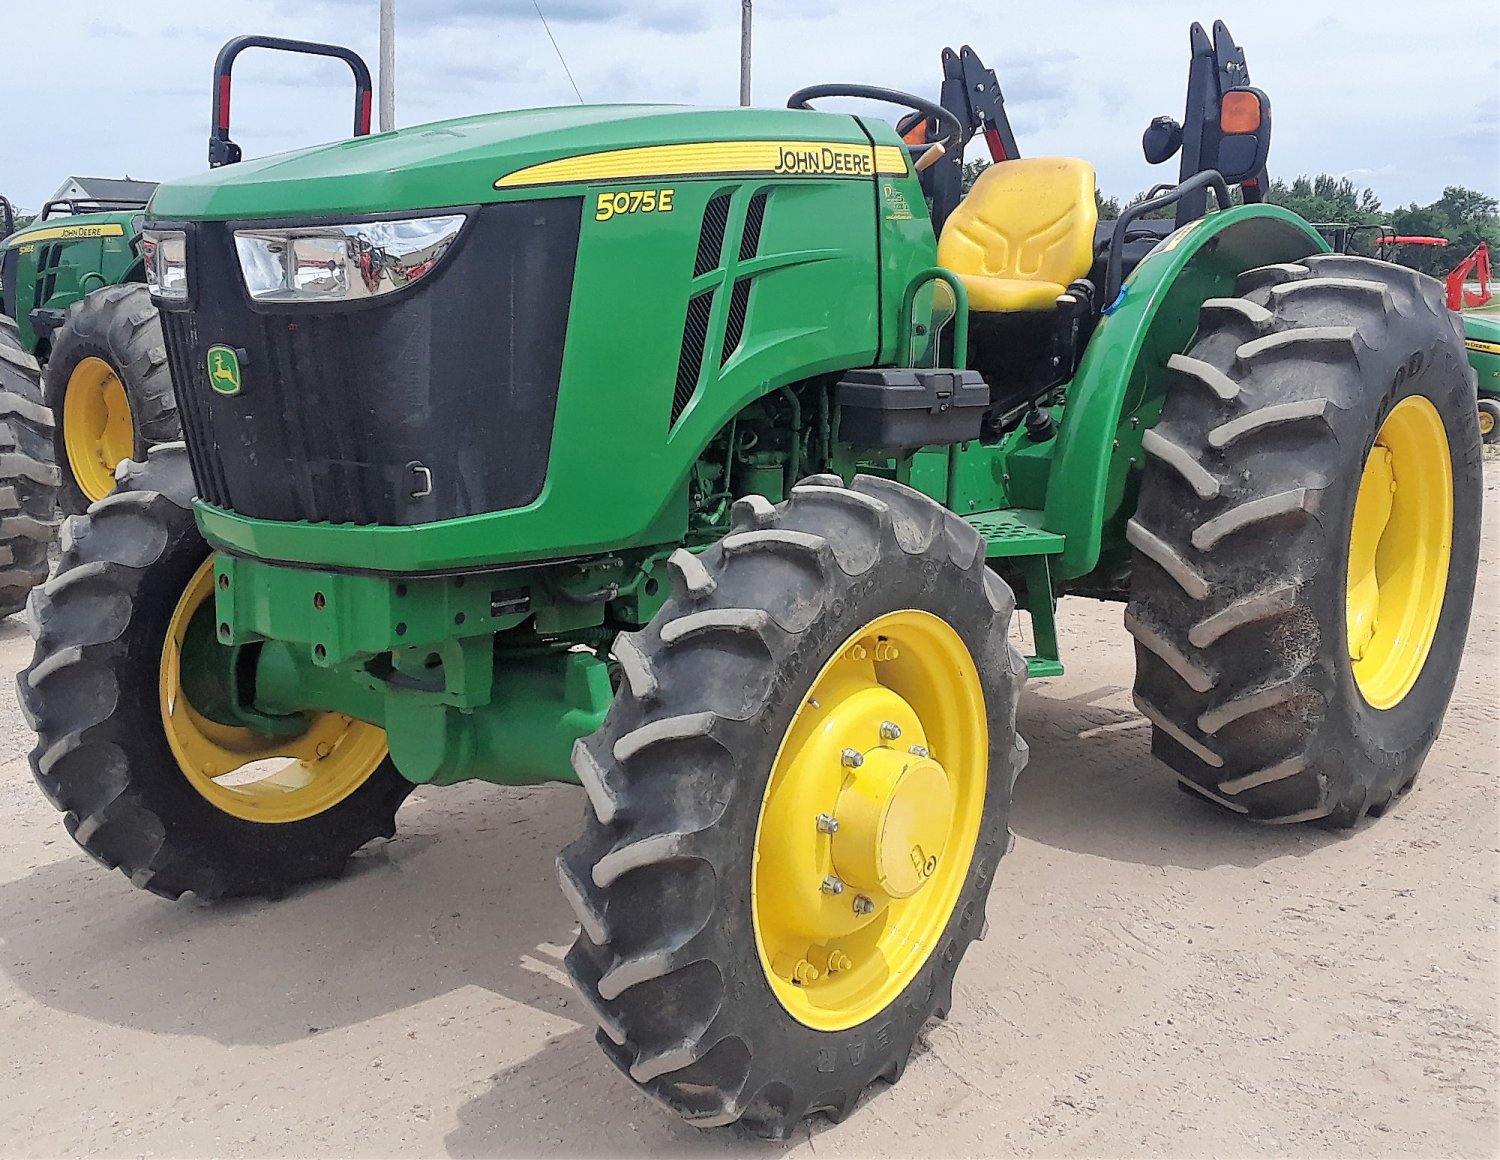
x,y
1160,979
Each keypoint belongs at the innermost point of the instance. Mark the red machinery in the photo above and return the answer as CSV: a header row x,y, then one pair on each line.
x,y
1475,267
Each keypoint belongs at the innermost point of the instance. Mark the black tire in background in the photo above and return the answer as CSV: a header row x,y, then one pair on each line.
x,y
92,694
119,325
1238,597
666,956
28,473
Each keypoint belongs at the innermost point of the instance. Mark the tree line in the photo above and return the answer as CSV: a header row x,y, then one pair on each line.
x,y
1465,217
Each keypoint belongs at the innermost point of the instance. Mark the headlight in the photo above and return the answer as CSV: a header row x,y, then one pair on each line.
x,y
165,255
342,263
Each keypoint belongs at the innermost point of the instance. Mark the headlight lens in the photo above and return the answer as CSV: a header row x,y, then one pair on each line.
x,y
165,256
342,262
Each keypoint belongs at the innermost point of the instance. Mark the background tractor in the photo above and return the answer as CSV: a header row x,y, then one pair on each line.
x,y
700,458
73,297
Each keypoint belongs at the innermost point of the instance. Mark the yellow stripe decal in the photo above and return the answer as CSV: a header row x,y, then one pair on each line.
x,y
69,233
785,158
1483,347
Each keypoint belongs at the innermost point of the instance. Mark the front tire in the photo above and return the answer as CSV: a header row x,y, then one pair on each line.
x,y
1307,541
149,782
110,391
836,659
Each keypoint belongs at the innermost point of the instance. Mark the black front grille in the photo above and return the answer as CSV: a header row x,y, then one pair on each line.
x,y
347,415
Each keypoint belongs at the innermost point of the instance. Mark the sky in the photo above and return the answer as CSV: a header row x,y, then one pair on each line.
x,y
1401,95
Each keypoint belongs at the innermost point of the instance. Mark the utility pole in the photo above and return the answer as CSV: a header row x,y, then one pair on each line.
x,y
745,52
387,65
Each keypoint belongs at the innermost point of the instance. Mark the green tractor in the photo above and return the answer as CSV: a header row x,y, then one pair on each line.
x,y
702,458
73,297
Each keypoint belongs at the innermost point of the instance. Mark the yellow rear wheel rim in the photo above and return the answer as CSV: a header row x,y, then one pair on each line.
x,y
1398,552
1486,421
870,820
302,777
98,431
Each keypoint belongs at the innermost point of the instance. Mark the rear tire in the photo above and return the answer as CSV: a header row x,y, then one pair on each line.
x,y
669,957
119,326
93,696
1239,599
28,475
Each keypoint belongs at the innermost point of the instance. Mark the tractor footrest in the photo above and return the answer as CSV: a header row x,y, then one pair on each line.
x,y
1015,532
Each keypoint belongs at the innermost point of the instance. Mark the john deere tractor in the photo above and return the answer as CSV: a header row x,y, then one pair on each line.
x,y
81,335
701,458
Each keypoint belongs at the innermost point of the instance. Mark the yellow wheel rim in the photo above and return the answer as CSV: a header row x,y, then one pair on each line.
x,y
869,820
1486,421
1398,552
317,769
98,431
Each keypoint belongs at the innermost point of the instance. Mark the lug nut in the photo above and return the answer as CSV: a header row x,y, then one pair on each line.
x,y
858,652
863,905
804,973
828,824
838,961
832,885
853,758
889,731
919,751
886,651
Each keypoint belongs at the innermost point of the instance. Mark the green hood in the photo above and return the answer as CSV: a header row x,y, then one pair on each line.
x,y
458,162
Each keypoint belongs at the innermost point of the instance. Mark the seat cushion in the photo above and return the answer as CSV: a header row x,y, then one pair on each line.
x,y
1002,294
1026,221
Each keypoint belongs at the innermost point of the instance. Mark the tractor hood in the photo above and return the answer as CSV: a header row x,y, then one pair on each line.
x,y
77,227
495,157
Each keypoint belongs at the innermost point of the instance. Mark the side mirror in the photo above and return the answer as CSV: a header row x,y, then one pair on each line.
x,y
1244,134
1162,138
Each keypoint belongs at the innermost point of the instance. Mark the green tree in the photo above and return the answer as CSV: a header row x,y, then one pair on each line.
x,y
1465,217
1327,199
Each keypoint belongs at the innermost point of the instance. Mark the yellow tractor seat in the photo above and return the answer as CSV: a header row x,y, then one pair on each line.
x,y
1023,232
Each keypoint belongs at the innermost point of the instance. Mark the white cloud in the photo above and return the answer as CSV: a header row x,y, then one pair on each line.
x,y
1405,94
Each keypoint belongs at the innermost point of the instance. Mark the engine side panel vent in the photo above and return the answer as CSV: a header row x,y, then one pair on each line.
x,y
755,218
711,238
694,338
739,306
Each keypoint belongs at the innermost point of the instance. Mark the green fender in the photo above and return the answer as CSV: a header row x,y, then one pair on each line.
x,y
1117,392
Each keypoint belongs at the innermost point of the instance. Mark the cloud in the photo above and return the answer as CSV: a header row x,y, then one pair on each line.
x,y
1080,80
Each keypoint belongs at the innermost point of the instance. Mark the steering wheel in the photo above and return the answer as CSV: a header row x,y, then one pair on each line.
x,y
952,128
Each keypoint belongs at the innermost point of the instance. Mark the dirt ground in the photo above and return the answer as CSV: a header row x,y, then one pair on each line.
x,y
1160,979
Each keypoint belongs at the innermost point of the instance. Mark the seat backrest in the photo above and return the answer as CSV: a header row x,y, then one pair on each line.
x,y
1031,219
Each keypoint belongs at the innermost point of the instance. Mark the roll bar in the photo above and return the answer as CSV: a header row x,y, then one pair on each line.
x,y
221,149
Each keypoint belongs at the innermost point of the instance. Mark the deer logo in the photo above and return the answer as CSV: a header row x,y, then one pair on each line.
x,y
224,370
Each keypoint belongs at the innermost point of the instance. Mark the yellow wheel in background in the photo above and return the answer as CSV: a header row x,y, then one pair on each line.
x,y
297,777
869,820
98,430
1399,547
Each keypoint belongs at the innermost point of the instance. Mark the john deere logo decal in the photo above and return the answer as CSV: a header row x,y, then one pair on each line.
x,y
224,370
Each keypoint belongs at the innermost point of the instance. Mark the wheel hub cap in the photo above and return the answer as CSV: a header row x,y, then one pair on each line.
x,y
893,822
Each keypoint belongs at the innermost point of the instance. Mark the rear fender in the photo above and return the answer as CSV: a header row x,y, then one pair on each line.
x,y
1117,392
